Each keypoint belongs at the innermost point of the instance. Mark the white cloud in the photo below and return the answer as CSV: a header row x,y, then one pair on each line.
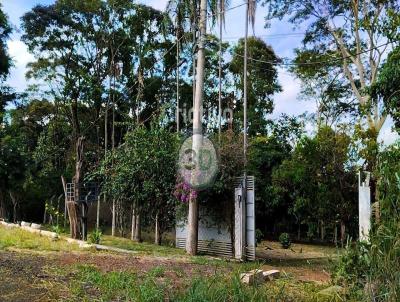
x,y
387,135
287,101
20,55
157,4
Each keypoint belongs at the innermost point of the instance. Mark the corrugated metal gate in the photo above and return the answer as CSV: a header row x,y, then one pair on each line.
x,y
221,241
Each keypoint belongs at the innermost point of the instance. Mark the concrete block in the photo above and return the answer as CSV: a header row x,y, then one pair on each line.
x,y
13,225
252,277
271,275
36,226
52,235
85,245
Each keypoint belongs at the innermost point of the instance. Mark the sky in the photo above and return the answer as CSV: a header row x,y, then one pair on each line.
x,y
285,102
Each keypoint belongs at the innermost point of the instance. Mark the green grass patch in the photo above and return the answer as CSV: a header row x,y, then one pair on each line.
x,y
18,238
143,248
93,285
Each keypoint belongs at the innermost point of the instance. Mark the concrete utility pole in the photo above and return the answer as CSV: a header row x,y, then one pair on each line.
x,y
177,76
246,33
193,215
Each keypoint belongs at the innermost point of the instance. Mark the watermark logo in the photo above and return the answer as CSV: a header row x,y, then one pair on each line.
x,y
198,163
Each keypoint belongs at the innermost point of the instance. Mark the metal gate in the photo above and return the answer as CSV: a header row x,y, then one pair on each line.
x,y
221,241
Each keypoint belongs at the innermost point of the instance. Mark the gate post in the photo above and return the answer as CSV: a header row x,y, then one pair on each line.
x,y
244,241
364,206
239,222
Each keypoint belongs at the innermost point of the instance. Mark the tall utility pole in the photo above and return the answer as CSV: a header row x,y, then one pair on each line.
x,y
193,215
114,214
177,74
245,90
220,72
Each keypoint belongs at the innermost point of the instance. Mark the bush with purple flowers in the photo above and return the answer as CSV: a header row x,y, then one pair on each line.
x,y
183,192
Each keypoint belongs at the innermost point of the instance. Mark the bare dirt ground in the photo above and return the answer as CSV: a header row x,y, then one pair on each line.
x,y
30,275
304,261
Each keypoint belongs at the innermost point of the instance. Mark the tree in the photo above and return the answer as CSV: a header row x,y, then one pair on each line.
x,y
142,173
353,34
266,154
76,47
317,183
332,93
262,83
5,31
387,86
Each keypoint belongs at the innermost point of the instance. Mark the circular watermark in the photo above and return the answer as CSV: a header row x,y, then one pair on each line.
x,y
198,163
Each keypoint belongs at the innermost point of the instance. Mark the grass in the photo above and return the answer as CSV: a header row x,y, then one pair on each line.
x,y
130,286
207,278
143,248
22,239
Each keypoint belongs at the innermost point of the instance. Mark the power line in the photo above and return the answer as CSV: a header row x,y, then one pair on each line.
x,y
226,10
317,62
272,36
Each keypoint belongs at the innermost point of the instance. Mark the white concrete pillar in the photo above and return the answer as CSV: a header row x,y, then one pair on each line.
x,y
364,207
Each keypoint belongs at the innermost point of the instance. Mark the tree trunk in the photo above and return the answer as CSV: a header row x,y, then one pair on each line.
x,y
335,235
299,232
73,206
98,213
14,201
2,206
322,230
58,209
113,218
133,223
138,228
121,218
342,232
45,213
192,236
157,234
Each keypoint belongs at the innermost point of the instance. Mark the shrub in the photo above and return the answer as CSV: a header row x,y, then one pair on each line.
x,y
259,235
374,268
95,236
350,269
57,229
284,239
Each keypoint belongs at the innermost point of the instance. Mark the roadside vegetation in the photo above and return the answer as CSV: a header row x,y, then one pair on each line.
x,y
93,143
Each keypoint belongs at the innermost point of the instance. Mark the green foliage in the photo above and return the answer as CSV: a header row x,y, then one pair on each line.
x,y
142,172
285,241
57,229
262,82
5,31
95,236
265,155
259,236
318,182
54,213
387,87
375,266
350,269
